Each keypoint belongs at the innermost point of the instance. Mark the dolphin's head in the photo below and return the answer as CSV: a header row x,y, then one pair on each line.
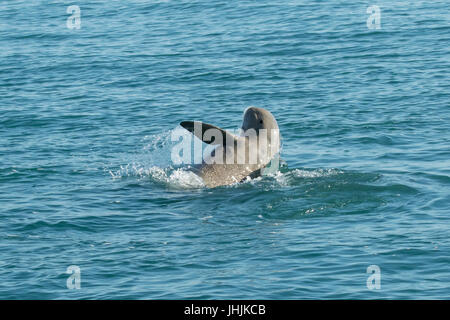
x,y
265,126
258,118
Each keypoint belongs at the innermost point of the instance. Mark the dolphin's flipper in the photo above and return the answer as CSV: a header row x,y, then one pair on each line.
x,y
254,174
198,129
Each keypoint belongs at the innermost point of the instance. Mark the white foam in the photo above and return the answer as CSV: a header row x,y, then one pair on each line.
x,y
317,173
180,178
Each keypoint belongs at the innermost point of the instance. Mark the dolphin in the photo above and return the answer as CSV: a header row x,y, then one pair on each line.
x,y
236,157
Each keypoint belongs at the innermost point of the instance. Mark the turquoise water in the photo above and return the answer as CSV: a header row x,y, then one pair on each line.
x,y
86,177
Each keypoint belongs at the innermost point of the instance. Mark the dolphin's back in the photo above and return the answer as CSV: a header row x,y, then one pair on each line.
x,y
215,175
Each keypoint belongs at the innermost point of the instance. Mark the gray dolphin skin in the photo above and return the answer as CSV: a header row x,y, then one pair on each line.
x,y
237,157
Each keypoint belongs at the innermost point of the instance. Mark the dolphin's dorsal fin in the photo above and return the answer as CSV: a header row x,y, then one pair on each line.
x,y
199,129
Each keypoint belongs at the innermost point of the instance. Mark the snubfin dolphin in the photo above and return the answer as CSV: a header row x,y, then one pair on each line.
x,y
237,157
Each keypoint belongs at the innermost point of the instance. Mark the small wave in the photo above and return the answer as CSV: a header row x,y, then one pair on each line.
x,y
289,177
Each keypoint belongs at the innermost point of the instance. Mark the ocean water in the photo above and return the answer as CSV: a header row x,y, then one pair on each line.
x,y
86,177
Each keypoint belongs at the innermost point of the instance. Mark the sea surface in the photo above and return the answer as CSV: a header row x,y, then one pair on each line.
x,y
87,178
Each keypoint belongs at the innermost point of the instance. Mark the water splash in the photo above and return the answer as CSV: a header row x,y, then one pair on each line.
x,y
152,162
174,177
